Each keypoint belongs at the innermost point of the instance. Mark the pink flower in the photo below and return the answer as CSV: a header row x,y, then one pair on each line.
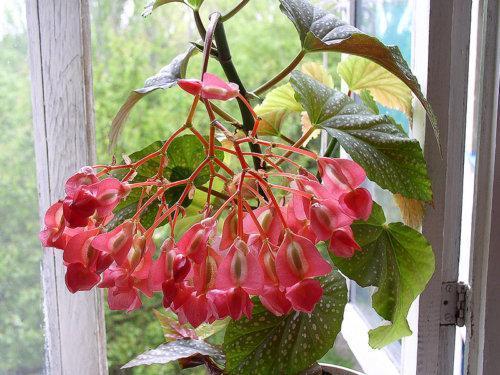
x,y
240,268
342,243
211,87
298,259
53,233
342,178
116,243
304,295
193,244
297,262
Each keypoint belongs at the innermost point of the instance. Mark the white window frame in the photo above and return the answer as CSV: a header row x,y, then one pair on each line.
x,y
63,120
63,117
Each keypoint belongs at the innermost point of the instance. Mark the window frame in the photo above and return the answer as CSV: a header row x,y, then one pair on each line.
x,y
63,122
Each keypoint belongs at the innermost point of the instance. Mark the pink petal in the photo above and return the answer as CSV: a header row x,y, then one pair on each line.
x,y
78,277
326,216
192,86
304,295
275,301
127,300
342,243
343,174
193,243
85,177
117,243
216,88
217,300
239,304
298,259
240,268
357,203
79,248
229,230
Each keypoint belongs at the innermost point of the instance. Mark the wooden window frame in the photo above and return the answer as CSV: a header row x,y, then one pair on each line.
x,y
63,121
63,118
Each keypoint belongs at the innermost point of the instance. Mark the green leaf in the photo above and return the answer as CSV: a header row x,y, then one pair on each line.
x,y
376,142
368,100
184,155
362,74
269,344
148,9
399,261
164,79
175,350
321,31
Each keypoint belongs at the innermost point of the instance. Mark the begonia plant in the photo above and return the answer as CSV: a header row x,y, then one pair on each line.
x,y
244,230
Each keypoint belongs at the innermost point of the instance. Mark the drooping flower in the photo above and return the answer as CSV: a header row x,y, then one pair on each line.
x,y
211,87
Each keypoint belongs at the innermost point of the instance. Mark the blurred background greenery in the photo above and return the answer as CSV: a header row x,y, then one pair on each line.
x,y
126,49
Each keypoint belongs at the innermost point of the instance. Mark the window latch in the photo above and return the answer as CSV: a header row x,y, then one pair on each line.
x,y
453,303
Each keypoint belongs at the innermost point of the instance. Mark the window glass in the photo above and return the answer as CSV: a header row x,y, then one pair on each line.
x,y
390,21
21,331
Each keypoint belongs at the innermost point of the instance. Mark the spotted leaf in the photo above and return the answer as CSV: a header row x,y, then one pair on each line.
x,y
376,142
268,344
322,31
399,261
175,350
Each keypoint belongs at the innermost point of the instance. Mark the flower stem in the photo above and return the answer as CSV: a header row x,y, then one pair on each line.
x,y
232,75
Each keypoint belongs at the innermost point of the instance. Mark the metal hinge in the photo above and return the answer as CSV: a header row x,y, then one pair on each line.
x,y
454,303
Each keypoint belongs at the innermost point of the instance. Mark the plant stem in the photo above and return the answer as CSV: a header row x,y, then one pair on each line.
x,y
199,24
266,86
214,21
235,10
232,76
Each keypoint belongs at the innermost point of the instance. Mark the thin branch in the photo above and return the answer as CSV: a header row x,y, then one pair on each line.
x,y
235,10
269,84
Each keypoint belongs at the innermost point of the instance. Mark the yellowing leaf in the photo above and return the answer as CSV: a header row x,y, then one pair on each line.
x,y
270,122
318,72
412,210
387,89
281,97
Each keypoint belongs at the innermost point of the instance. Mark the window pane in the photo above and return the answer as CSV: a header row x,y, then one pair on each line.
x,y
391,21
21,332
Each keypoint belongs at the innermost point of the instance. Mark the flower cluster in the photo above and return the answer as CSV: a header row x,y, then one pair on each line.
x,y
255,243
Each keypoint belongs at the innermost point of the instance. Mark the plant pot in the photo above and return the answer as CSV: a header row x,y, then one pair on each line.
x,y
337,370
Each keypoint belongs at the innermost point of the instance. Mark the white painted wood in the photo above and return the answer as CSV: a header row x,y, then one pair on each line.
x,y
441,59
483,325
63,119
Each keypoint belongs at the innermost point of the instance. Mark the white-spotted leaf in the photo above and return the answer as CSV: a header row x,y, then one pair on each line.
x,y
176,350
268,344
399,261
322,31
376,142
